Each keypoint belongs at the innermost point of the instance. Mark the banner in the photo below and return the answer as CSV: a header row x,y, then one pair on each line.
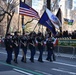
x,y
69,42
68,21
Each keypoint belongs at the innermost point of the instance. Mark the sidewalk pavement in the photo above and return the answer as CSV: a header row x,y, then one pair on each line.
x,y
65,55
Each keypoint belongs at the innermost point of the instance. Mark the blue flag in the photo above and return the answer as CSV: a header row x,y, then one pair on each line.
x,y
54,19
45,20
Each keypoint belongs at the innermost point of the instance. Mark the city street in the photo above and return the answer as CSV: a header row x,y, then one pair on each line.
x,y
62,66
41,24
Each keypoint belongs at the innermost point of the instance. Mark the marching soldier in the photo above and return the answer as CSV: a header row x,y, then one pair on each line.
x,y
32,46
40,41
16,45
50,48
9,48
23,42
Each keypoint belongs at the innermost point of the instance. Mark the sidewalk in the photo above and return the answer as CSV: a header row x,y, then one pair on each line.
x,y
65,55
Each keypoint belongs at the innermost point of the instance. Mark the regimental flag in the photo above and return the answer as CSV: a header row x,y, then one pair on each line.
x,y
56,22
59,15
45,20
26,10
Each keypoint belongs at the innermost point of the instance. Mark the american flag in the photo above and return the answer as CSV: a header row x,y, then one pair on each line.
x,y
26,10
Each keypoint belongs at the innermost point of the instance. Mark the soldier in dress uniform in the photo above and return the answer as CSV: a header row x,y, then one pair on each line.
x,y
32,46
9,48
50,48
16,46
40,40
24,44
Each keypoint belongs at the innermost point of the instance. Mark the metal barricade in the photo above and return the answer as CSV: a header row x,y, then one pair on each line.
x,y
69,44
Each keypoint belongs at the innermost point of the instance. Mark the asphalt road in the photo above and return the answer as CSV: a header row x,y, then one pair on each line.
x,y
62,66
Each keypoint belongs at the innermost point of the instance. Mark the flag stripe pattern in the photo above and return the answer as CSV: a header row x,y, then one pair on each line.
x,y
26,10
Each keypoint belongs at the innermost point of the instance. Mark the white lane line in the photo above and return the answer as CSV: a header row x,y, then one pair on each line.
x,y
3,53
65,64
72,73
43,72
23,72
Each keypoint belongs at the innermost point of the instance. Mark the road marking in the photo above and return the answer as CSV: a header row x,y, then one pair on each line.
x,y
23,72
43,72
26,70
65,64
73,73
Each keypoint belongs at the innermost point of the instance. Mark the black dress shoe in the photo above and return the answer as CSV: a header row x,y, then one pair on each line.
x,y
32,61
15,61
51,61
23,61
47,59
40,61
54,59
8,62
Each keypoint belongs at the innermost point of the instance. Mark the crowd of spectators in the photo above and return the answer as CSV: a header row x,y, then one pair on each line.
x,y
65,34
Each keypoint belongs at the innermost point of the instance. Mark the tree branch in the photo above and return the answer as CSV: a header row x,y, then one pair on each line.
x,y
2,17
29,22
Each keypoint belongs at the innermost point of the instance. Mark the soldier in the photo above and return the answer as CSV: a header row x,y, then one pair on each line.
x,y
24,44
16,45
40,41
50,48
9,48
32,46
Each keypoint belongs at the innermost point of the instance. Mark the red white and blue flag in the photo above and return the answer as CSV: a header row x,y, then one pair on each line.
x,y
26,10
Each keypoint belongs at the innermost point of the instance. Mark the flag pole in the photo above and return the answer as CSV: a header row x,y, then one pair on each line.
x,y
39,29
23,30
42,29
49,7
35,27
18,21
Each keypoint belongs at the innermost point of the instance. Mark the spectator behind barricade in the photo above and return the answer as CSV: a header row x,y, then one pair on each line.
x,y
74,35
65,33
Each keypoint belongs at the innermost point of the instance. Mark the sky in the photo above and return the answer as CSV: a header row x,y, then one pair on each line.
x,y
74,3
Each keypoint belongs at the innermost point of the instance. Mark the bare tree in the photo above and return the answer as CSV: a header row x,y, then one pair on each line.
x,y
9,9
